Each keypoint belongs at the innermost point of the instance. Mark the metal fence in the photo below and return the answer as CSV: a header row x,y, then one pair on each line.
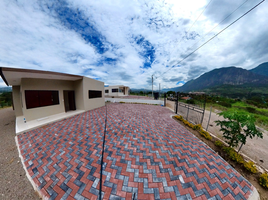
x,y
193,113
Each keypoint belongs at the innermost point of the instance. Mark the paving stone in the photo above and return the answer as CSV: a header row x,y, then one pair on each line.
x,y
143,147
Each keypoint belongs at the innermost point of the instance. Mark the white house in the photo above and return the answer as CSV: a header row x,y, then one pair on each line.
x,y
116,90
40,95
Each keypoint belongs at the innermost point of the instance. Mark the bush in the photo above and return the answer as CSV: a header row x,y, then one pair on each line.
x,y
264,180
225,104
121,102
250,167
227,149
205,134
233,155
236,157
250,109
197,127
188,123
218,143
179,117
190,101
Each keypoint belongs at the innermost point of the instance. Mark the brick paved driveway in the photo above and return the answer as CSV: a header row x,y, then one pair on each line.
x,y
146,153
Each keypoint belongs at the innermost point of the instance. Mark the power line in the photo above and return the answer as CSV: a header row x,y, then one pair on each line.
x,y
199,15
213,37
194,22
221,22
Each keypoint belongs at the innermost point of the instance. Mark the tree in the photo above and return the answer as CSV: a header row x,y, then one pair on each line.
x,y
237,127
171,92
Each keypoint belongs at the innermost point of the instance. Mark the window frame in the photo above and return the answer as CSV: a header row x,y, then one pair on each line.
x,y
92,94
41,98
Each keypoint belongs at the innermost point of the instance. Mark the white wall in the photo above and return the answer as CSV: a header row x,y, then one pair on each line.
x,y
44,84
91,84
16,97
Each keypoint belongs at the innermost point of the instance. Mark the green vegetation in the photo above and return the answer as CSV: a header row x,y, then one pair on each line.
x,y
239,91
218,143
264,180
260,114
230,153
197,127
139,93
250,166
237,127
257,106
5,99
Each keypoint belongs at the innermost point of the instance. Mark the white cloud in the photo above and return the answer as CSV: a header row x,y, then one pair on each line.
x,y
33,38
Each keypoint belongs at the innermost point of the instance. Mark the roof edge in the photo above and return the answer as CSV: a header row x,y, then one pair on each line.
x,y
38,71
3,76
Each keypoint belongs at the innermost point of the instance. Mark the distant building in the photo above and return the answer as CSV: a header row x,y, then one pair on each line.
x,y
197,93
186,98
116,90
40,94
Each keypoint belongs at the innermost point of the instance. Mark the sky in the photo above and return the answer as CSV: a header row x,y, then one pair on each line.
x,y
128,42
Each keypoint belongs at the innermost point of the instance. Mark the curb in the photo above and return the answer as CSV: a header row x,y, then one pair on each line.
x,y
27,173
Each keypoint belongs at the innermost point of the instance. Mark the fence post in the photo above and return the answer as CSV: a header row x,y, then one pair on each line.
x,y
203,110
165,96
187,113
177,102
209,117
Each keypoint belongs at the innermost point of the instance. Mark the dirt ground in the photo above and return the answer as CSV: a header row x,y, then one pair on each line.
x,y
256,148
13,181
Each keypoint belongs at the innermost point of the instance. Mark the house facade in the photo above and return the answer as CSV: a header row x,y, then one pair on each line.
x,y
39,94
116,90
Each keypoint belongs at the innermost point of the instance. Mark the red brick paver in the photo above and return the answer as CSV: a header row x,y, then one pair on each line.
x,y
147,154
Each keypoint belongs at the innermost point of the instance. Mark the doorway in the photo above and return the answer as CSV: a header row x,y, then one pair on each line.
x,y
69,100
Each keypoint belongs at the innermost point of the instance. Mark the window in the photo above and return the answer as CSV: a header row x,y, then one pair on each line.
x,y
94,94
36,98
114,90
106,91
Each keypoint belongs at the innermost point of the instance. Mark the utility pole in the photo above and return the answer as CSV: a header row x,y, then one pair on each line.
x,y
159,92
152,86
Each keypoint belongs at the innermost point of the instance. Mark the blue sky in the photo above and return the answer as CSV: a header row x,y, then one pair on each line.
x,y
126,42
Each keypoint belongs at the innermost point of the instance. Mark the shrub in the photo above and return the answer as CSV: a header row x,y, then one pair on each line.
x,y
236,157
250,109
225,104
197,127
227,149
218,143
264,180
190,101
233,155
121,102
179,117
188,124
250,167
205,134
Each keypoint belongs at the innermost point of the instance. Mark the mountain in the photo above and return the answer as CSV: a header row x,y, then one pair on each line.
x,y
5,89
262,69
224,76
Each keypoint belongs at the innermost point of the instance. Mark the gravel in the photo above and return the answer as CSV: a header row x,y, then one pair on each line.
x,y
13,181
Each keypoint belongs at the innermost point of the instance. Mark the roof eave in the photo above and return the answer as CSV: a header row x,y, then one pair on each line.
x,y
3,76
